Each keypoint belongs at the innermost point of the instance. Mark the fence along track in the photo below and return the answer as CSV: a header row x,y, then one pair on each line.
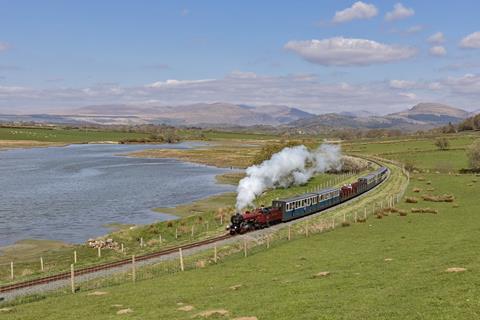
x,y
110,265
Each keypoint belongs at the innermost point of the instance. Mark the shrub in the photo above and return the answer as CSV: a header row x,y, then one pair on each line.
x,y
474,155
442,143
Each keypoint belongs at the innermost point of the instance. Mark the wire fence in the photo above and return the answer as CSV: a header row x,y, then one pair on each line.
x,y
380,201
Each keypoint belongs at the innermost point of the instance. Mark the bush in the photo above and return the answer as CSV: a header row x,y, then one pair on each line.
x,y
474,155
442,143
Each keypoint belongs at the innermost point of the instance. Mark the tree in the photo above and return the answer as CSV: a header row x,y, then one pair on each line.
x,y
442,143
474,155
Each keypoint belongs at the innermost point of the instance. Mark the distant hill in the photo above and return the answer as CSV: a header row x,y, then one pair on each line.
x,y
433,112
201,114
422,116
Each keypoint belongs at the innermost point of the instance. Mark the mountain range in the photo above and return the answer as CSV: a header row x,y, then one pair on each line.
x,y
422,116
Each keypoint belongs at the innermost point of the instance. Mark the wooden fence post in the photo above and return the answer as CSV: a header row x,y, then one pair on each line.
x,y
11,270
75,256
365,214
192,232
268,241
72,277
141,242
182,267
41,263
215,256
333,222
99,252
344,218
134,272
176,233
245,247
221,219
289,232
355,217
122,248
160,238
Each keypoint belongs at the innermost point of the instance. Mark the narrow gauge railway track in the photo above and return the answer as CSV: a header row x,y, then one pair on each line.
x,y
126,261
109,265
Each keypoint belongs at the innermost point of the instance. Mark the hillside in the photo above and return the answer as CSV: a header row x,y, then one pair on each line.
x,y
420,117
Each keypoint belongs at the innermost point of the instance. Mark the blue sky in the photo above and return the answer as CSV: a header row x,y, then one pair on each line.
x,y
319,55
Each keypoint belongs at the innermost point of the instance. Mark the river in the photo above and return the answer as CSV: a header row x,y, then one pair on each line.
x,y
71,193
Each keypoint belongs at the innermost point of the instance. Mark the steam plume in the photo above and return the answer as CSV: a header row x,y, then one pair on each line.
x,y
291,166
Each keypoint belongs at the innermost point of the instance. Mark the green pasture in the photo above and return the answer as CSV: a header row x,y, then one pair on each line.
x,y
389,268
65,135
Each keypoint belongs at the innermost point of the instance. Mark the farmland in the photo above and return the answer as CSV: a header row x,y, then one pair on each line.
x,y
393,267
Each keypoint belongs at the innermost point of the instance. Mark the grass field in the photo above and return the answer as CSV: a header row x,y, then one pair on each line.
x,y
389,268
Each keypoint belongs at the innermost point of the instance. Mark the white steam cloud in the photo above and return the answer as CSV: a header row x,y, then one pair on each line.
x,y
291,166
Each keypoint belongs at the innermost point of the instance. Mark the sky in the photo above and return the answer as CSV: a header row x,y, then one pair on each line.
x,y
320,56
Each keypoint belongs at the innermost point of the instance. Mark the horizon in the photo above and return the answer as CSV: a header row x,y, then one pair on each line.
x,y
336,56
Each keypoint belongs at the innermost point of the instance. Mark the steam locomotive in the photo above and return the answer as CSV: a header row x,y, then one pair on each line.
x,y
292,208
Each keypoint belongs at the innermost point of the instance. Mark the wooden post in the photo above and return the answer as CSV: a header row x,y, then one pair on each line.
x,y
192,232
333,222
365,214
182,267
134,272
75,256
141,242
176,233
289,232
215,255
268,242
99,252
122,248
344,217
160,238
355,217
72,277
208,226
245,247
221,219
11,270
41,263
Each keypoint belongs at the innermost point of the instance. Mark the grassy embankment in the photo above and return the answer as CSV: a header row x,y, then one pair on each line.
x,y
389,268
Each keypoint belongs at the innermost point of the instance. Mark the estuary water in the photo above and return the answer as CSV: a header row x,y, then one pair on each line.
x,y
71,193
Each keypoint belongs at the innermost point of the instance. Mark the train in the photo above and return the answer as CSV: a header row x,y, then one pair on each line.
x,y
284,210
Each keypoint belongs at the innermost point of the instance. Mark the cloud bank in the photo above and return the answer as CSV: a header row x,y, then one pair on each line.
x,y
341,51
399,12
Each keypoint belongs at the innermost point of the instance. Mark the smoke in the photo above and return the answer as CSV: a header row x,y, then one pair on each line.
x,y
291,166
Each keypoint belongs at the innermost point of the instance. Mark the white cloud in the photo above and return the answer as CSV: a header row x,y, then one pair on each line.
x,y
359,10
472,41
414,29
468,84
436,38
4,46
438,51
173,83
402,84
341,51
399,12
